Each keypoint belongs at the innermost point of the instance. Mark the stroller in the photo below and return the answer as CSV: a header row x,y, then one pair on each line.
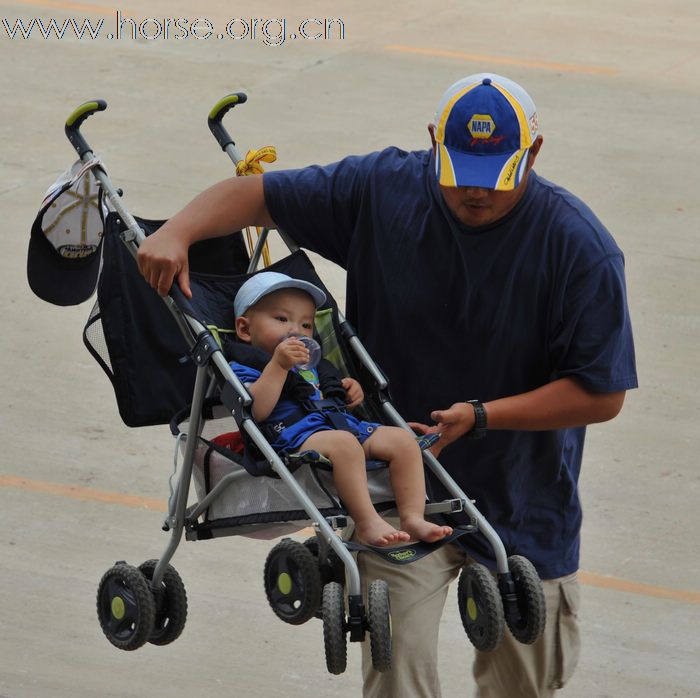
x,y
168,363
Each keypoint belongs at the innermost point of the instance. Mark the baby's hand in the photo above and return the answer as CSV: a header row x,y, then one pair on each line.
x,y
290,352
354,394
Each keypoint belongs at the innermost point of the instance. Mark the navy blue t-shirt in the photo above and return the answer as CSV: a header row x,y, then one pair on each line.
x,y
452,313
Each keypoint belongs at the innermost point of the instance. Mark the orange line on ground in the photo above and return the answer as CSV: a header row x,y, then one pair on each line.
x,y
89,495
606,582
503,60
84,494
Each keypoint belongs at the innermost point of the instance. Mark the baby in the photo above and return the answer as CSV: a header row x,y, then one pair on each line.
x,y
272,310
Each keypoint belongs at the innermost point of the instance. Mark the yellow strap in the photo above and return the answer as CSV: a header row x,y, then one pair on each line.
x,y
251,163
218,331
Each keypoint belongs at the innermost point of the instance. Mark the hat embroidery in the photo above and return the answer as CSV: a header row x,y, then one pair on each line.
x,y
534,124
511,167
481,126
76,251
85,200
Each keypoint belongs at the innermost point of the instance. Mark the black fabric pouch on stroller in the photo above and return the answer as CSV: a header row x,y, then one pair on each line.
x,y
132,335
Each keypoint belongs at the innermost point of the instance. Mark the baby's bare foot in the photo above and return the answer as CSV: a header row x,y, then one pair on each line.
x,y
420,529
378,532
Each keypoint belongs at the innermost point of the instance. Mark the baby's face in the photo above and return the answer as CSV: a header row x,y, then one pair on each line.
x,y
277,316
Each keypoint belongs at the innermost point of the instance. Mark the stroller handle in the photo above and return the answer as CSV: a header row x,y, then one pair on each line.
x,y
75,121
216,115
181,300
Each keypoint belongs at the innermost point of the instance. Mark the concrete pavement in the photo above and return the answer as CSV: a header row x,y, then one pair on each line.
x,y
618,89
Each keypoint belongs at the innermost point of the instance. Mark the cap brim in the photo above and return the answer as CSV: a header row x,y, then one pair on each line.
x,y
57,279
502,172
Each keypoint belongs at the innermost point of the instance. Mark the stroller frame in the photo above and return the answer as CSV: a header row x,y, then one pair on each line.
x,y
209,359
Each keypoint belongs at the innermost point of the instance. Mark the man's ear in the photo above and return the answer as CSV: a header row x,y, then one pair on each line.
x,y
534,151
243,328
431,131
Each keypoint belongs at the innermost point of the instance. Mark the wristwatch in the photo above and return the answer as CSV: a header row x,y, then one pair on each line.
x,y
478,431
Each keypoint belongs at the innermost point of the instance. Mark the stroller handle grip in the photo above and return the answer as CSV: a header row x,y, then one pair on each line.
x,y
75,121
216,115
180,299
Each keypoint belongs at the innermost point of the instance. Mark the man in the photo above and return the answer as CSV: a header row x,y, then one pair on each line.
x,y
470,278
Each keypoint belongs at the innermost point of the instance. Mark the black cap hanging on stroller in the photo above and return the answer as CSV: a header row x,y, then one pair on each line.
x,y
65,244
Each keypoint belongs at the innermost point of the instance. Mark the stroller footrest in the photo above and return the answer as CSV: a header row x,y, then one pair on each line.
x,y
410,552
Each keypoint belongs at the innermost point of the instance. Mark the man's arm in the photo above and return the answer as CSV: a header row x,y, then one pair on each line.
x,y
560,404
222,209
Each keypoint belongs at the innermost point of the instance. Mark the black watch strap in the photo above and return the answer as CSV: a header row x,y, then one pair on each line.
x,y
479,429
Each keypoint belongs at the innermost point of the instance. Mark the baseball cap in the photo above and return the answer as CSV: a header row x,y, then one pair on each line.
x,y
485,125
266,282
63,260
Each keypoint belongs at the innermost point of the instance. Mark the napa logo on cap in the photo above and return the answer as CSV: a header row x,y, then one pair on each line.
x,y
481,126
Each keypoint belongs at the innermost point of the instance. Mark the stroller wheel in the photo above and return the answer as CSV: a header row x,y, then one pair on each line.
x,y
125,607
171,604
379,624
334,638
331,567
481,607
529,624
292,582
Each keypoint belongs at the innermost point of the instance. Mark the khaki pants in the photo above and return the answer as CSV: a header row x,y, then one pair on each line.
x,y
513,670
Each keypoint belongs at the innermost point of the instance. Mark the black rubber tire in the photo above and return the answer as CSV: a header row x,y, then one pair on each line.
x,y
379,621
332,568
531,604
125,607
292,582
334,639
480,607
171,607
